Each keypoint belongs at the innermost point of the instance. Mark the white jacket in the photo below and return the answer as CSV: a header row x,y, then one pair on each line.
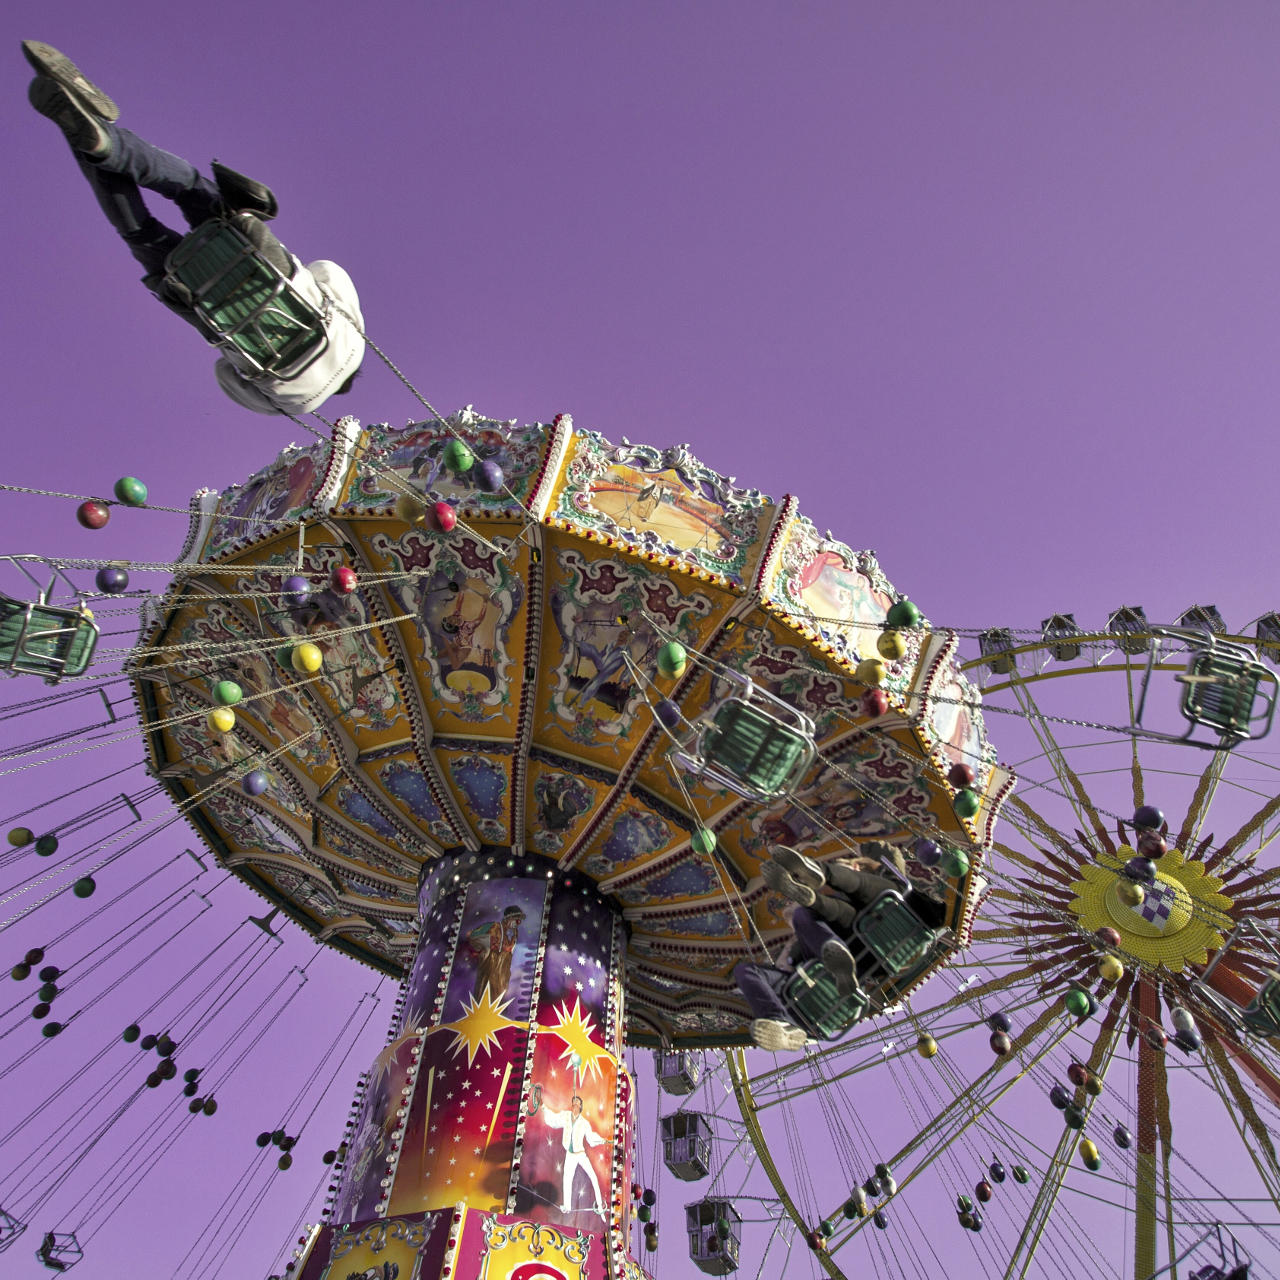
x,y
329,289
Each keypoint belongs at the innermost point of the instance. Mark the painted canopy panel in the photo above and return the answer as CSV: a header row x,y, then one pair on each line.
x,y
493,687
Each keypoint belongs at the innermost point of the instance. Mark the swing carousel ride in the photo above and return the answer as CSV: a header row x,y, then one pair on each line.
x,y
515,716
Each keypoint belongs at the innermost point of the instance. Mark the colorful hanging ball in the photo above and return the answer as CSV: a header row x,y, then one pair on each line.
x,y
1109,937
984,1191
131,1033
891,646
874,703
1077,1003
458,456
960,775
1001,1045
446,518
859,1197
264,1139
871,671
226,693
1130,893
965,1219
306,658
84,887
195,1106
20,972
220,720
489,476
47,845
1089,1154
1181,1018
1148,816
1074,1116
976,1225
1143,870
667,713
189,1089
149,1042
48,992
1059,1096
644,1213
131,491
926,853
1110,969
850,1209
880,1218
964,1203
295,591
190,1074
903,614
51,1029
996,1170
34,956
1188,1041
111,580
285,1161
343,579
255,782
1020,1175
1151,844
816,1241
926,1046
1000,1021
20,837
167,1069
93,514
955,863
967,803
329,1156
210,1106
50,973
410,508
1078,1073
635,1190
673,658
1123,1138
649,1196
703,840
883,1171
41,1010
872,1186
724,1228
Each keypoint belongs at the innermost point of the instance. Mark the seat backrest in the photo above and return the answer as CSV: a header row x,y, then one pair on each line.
x,y
892,933
814,1000
753,745
246,300
43,640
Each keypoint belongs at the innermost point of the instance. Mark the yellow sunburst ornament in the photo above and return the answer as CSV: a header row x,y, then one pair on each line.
x,y
479,1025
575,1028
1182,915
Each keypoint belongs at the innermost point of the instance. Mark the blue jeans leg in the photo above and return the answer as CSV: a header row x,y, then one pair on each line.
x,y
812,933
762,998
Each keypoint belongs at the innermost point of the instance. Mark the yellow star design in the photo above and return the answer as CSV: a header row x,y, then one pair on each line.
x,y
575,1028
479,1025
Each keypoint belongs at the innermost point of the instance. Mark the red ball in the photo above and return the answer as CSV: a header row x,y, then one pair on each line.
x,y
1078,1073
1156,1037
874,703
960,775
1151,844
446,516
1109,935
1001,1045
343,579
93,514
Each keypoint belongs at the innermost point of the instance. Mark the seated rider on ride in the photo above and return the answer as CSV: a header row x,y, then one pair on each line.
x,y
117,163
829,897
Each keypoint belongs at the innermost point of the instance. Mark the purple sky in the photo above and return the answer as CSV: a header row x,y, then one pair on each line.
x,y
991,287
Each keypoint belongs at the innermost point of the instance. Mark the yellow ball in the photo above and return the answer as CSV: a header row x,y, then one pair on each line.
x,y
307,657
926,1046
409,509
891,645
1110,969
221,720
1132,895
871,671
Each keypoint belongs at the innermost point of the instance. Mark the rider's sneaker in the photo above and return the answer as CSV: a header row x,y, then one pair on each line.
x,y
57,67
783,882
82,129
803,869
770,1033
838,961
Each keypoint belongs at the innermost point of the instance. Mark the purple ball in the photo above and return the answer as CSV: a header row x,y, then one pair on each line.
x,y
112,581
296,589
1059,1097
927,854
489,476
1148,816
667,712
1143,870
255,782
1000,1022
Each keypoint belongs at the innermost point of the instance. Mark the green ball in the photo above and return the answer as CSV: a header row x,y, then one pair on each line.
x,y
903,614
967,803
284,1162
84,887
1020,1174
964,1204
51,1029
703,840
851,1209
210,1106
1074,1116
458,456
46,846
672,659
226,693
131,1033
284,656
826,1227
1077,1003
131,491
20,971
48,992
955,863
644,1213
20,837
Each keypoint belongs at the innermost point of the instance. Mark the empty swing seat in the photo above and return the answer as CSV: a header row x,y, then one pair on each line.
x,y
41,639
1262,1014
1223,690
247,302
754,746
893,935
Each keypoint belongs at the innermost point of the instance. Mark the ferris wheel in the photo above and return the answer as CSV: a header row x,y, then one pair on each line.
x,y
1093,1081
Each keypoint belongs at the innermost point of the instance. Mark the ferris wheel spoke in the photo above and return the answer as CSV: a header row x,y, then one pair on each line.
x,y
1201,800
1253,826
1249,1126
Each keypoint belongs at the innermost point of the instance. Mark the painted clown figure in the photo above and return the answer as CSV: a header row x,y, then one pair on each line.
x,y
577,1135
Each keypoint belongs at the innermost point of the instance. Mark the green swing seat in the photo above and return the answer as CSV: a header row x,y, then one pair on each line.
x,y
892,935
1223,690
816,1004
755,747
244,299
43,640
1262,1014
